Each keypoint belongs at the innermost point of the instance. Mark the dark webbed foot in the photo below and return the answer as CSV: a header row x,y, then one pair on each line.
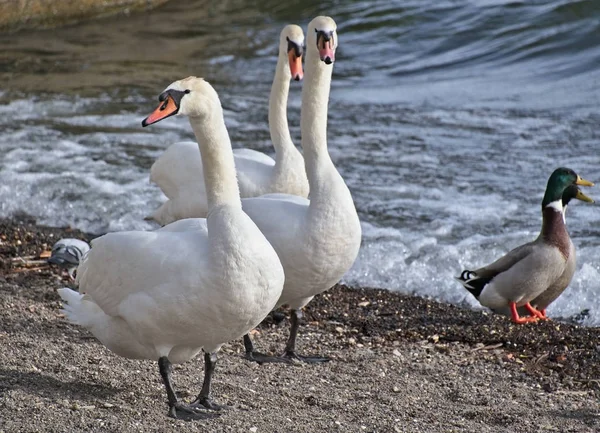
x,y
290,347
261,358
187,412
209,403
291,356
178,409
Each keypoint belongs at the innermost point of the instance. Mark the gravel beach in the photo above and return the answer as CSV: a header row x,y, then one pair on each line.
x,y
399,364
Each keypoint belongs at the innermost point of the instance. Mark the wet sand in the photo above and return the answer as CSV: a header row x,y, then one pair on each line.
x,y
399,363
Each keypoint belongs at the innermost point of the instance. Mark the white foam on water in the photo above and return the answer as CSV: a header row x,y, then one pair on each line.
x,y
438,190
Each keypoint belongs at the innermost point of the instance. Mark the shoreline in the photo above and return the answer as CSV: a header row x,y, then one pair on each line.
x,y
399,363
38,14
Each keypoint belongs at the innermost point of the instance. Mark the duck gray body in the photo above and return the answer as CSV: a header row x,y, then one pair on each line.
x,y
527,271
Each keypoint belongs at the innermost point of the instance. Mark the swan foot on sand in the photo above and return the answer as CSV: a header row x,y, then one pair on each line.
x,y
290,347
204,400
293,356
259,358
178,409
289,356
187,412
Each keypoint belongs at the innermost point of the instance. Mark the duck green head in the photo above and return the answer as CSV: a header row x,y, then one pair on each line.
x,y
573,192
560,180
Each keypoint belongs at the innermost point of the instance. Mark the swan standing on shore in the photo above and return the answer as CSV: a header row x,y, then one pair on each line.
x,y
178,172
195,284
317,240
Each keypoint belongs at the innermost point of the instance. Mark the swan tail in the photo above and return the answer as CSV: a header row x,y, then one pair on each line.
x,y
113,332
79,309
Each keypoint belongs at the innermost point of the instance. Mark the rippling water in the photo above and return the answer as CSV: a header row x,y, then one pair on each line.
x,y
446,119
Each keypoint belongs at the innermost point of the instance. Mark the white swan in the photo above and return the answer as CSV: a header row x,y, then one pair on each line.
x,y
195,284
178,172
317,240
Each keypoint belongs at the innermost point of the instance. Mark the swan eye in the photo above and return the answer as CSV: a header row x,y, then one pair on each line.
x,y
295,48
187,91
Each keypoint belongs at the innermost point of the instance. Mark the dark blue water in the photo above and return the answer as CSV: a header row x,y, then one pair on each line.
x,y
446,118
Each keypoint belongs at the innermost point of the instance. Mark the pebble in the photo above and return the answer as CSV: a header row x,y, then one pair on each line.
x,y
253,429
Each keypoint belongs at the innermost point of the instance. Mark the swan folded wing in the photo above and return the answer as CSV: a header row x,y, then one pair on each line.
x,y
530,276
186,225
178,171
253,155
294,199
254,176
124,264
278,216
505,262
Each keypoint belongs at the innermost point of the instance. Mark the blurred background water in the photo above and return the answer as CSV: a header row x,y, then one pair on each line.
x,y
446,119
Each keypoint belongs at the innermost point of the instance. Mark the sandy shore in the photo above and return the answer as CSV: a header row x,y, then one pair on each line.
x,y
399,363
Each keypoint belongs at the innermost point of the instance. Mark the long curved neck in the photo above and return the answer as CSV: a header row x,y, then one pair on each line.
x,y
217,160
313,121
278,121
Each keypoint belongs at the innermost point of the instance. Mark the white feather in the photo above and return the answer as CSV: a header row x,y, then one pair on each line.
x,y
179,171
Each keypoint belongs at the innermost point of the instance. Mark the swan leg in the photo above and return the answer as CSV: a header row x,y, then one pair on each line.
x,y
204,399
535,312
290,347
178,409
520,320
260,358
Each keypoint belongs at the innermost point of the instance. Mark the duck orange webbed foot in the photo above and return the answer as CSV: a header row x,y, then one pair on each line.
x,y
535,312
520,320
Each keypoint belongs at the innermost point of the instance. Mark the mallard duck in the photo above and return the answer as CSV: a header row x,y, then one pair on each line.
x,y
547,297
527,271
550,295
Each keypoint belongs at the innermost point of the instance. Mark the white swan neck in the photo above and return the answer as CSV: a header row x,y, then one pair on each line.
x,y
313,120
278,121
217,160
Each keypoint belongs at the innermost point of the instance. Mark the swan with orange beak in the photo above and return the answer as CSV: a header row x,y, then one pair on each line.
x,y
178,172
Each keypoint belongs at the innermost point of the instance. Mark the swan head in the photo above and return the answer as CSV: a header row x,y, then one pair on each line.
x,y
193,97
291,45
322,36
